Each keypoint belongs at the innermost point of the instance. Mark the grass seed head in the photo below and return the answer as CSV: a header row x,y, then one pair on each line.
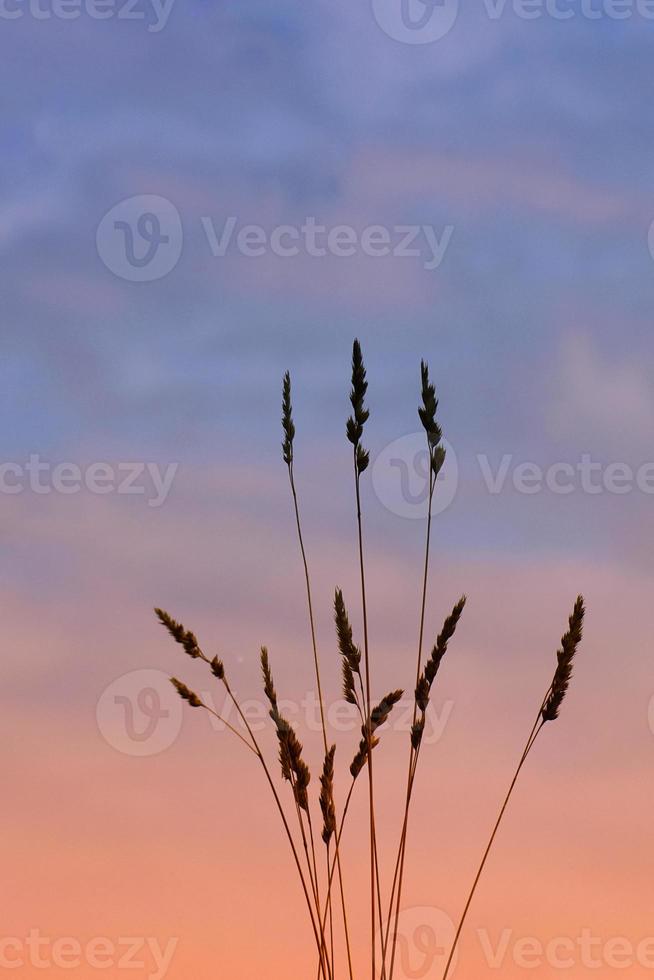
x,y
287,421
184,637
185,693
565,659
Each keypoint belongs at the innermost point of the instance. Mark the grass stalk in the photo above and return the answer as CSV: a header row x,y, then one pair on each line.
x,y
288,453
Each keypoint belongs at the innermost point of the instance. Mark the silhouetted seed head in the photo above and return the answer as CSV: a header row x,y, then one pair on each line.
x,y
349,689
565,657
423,690
363,459
360,414
361,757
284,755
185,693
437,459
218,669
440,647
327,806
417,731
293,767
427,415
422,693
287,421
303,778
429,405
182,636
349,651
378,716
268,684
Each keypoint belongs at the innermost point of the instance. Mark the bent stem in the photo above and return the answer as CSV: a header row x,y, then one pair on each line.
x,y
320,942
338,841
320,938
538,725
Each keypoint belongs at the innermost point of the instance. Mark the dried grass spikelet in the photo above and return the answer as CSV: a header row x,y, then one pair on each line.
x,y
186,694
294,769
427,415
350,653
268,683
565,658
423,690
184,637
327,805
378,716
360,414
287,421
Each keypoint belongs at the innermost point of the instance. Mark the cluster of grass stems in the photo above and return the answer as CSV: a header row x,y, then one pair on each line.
x,y
324,888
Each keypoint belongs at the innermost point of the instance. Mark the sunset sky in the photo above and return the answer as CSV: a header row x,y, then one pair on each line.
x,y
512,158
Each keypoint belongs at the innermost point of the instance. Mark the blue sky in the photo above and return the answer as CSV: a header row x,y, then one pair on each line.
x,y
530,139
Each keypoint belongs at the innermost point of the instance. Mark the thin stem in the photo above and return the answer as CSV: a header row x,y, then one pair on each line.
x,y
373,839
230,727
322,946
413,753
313,871
287,829
316,661
530,742
313,858
331,914
338,842
310,604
